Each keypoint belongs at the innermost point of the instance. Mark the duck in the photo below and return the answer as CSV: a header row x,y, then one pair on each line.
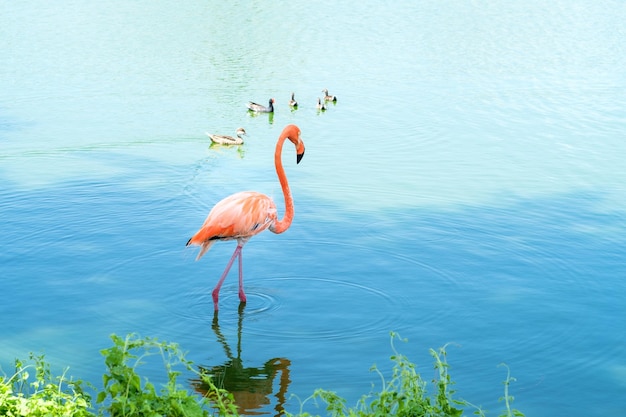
x,y
328,97
259,108
293,102
320,105
228,140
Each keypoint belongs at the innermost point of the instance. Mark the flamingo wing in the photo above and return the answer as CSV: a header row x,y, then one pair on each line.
x,y
239,216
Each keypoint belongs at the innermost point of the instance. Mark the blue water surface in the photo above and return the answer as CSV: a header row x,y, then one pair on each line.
x,y
466,189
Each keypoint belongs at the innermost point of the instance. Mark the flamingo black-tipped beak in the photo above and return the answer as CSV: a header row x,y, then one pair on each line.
x,y
299,157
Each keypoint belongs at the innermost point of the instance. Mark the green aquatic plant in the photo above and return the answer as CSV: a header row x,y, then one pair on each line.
x,y
22,394
126,393
406,393
508,399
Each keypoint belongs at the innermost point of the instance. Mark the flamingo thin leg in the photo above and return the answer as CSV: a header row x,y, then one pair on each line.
x,y
216,290
242,294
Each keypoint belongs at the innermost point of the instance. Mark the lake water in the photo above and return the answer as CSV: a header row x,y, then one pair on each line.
x,y
468,187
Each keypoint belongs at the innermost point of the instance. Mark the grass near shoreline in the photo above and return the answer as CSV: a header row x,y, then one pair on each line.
x,y
32,390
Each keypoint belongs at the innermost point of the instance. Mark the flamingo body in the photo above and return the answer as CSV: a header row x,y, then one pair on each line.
x,y
237,217
247,213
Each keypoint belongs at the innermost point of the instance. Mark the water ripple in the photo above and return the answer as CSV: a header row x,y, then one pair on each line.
x,y
330,297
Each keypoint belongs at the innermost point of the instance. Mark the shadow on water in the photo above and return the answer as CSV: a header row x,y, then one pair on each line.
x,y
251,386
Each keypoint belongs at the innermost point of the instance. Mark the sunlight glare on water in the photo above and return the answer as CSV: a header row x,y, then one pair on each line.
x,y
466,188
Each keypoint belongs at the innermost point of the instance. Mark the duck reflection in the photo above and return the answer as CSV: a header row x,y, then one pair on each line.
x,y
270,116
241,152
251,387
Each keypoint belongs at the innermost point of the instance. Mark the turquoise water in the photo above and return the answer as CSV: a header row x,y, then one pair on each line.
x,y
466,188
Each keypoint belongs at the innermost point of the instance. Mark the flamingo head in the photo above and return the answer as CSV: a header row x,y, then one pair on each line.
x,y
292,132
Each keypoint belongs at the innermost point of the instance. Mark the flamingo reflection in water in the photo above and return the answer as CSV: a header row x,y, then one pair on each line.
x,y
250,386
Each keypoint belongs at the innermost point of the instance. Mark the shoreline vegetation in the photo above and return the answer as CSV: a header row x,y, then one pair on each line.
x,y
32,390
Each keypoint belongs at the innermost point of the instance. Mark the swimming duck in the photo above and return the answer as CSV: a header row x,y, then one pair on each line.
x,y
320,105
228,140
293,102
328,97
259,108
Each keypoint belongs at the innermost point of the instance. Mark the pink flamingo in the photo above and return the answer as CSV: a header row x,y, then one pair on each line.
x,y
247,213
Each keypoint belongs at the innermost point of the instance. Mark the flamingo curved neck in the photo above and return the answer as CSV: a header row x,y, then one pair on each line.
x,y
283,224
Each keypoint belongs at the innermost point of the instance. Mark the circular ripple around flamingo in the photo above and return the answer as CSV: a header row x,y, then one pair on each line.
x,y
343,305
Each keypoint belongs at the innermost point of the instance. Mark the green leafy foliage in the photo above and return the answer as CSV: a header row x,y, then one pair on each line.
x,y
43,395
127,394
508,399
406,394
